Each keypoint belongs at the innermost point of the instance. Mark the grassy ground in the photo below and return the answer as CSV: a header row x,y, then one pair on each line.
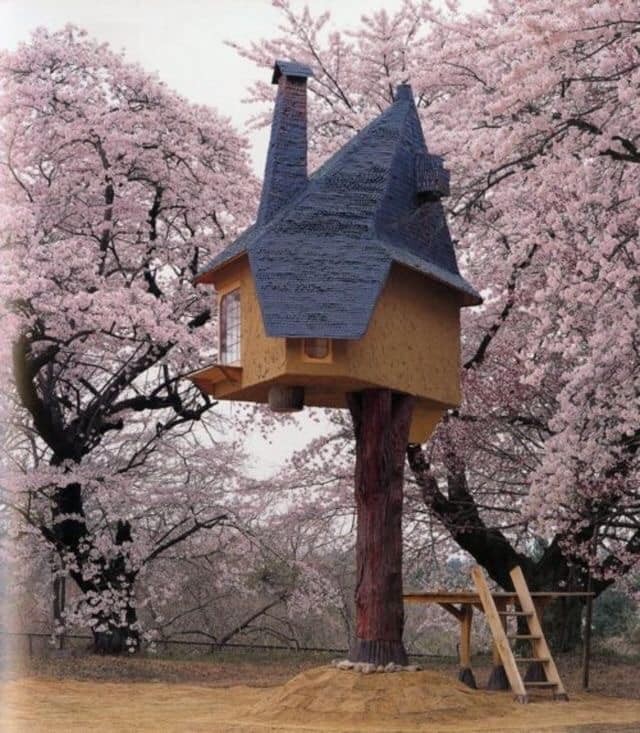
x,y
264,692
610,675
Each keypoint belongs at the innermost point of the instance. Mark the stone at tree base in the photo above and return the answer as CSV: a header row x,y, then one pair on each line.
x,y
367,668
498,679
465,675
344,664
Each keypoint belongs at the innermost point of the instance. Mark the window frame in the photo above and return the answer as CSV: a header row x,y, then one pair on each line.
x,y
328,359
222,294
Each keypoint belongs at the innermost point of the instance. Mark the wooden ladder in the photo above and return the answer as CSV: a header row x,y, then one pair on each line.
x,y
539,647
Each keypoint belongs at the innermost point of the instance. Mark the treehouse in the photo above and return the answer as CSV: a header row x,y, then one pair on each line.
x,y
348,279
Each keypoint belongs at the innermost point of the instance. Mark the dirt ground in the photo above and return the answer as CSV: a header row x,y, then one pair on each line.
x,y
238,693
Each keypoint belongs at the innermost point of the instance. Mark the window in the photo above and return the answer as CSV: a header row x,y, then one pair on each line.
x,y
317,349
230,327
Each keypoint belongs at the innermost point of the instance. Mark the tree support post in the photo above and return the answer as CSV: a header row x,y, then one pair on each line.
x,y
464,617
381,422
465,673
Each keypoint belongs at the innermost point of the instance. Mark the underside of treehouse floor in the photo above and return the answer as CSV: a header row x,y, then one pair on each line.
x,y
320,699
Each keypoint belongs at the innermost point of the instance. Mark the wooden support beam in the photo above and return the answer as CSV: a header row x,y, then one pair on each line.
x,y
496,624
465,637
465,674
457,613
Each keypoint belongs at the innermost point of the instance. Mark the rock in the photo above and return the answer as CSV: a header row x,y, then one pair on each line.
x,y
345,664
367,668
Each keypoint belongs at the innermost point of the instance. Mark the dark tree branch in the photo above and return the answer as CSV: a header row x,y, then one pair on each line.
x,y
247,622
481,351
196,527
460,516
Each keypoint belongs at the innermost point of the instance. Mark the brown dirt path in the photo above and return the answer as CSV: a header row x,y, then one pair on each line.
x,y
320,700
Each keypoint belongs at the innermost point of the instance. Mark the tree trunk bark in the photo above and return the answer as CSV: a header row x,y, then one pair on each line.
x,y
117,635
381,421
117,631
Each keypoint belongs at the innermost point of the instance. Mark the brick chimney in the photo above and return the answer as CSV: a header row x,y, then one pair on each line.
x,y
286,171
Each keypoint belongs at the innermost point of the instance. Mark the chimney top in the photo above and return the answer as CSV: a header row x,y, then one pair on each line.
x,y
290,69
404,91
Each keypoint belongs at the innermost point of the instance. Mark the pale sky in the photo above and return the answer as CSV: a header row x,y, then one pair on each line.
x,y
183,41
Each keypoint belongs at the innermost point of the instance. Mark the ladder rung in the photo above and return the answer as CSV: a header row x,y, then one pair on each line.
x,y
540,684
532,659
522,606
514,613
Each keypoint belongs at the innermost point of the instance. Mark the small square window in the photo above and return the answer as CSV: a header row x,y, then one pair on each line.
x,y
230,327
317,349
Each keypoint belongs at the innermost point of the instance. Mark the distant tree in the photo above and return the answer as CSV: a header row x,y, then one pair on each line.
x,y
115,191
614,613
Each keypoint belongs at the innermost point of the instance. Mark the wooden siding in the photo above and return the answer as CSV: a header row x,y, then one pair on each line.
x,y
411,345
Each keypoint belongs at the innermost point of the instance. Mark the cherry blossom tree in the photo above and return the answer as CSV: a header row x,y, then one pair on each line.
x,y
115,192
535,111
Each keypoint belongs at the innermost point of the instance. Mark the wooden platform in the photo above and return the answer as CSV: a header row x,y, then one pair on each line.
x,y
498,606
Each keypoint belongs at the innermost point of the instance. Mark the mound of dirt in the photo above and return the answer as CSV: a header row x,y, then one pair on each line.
x,y
328,699
350,695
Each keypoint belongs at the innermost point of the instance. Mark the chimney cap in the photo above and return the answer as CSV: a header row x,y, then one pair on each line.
x,y
404,91
291,69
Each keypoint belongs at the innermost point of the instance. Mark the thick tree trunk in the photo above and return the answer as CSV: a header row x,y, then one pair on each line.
x,y
117,630
117,635
562,619
381,421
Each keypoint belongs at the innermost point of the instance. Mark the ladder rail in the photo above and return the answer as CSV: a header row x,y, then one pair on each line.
x,y
499,635
539,645
539,648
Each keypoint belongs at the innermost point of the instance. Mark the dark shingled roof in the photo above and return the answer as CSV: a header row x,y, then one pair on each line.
x,y
321,261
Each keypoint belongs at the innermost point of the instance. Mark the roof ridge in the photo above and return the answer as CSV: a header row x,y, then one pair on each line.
x,y
410,106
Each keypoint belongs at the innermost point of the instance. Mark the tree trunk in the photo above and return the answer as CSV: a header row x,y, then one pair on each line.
x,y
115,628
381,421
116,631
116,635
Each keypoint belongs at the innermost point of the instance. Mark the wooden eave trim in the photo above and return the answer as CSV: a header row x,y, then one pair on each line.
x,y
208,277
215,373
